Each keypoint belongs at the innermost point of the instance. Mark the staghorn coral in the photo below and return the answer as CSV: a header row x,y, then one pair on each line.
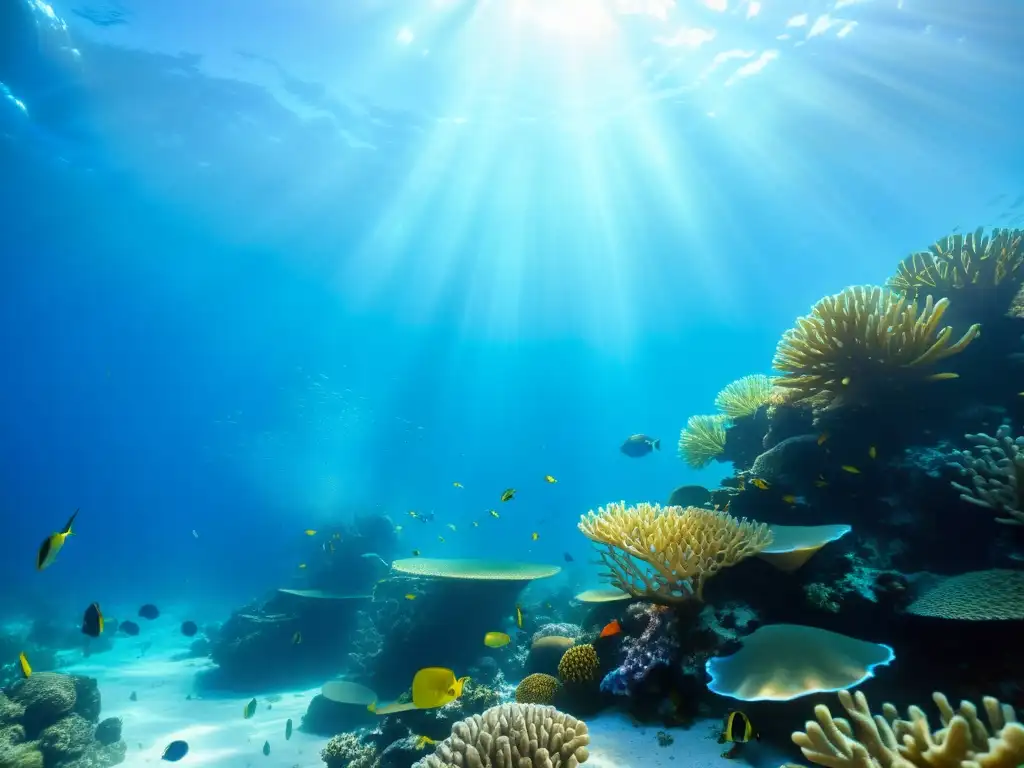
x,y
863,340
579,664
537,688
520,735
702,440
657,646
744,396
972,262
667,554
887,741
993,466
346,751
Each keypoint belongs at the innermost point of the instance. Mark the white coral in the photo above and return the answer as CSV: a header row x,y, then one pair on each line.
x,y
993,466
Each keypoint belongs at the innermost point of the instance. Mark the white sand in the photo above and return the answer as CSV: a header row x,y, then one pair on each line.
x,y
219,737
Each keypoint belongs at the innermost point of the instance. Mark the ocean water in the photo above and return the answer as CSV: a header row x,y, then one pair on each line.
x,y
275,266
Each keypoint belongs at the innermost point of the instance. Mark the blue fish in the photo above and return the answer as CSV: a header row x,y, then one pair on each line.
x,y
175,751
640,445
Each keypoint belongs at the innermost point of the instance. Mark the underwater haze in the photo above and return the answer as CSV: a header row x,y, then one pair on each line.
x,y
278,266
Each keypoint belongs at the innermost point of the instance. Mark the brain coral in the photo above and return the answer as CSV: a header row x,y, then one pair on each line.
x,y
514,736
537,688
579,664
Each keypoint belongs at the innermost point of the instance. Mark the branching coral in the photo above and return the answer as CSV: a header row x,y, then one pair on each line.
x,y
702,440
974,261
744,396
887,741
667,554
994,467
863,340
520,735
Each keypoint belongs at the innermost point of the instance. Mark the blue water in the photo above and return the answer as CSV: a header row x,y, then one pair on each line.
x,y
270,265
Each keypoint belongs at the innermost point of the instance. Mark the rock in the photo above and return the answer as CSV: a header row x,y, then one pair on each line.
x,y
109,731
99,756
401,753
15,752
87,698
790,461
46,697
70,737
10,711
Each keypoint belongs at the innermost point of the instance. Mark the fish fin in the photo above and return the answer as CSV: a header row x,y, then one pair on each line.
x,y
67,528
721,739
656,444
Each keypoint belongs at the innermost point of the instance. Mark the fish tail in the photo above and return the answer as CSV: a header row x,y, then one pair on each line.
x,y
67,528
657,444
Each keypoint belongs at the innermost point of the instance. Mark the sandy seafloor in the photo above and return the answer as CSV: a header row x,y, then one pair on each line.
x,y
219,737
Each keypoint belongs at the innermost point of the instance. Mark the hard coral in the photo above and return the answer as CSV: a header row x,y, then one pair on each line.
x,y
657,646
537,689
681,547
867,741
521,735
702,440
864,341
579,664
346,751
992,468
744,396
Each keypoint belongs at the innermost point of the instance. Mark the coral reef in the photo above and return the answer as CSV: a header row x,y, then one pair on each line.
x,y
657,646
682,547
579,664
744,396
867,740
521,735
50,720
537,689
346,750
702,440
993,467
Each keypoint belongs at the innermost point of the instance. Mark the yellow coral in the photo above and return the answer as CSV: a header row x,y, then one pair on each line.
x,y
579,664
865,338
667,554
744,396
866,741
537,688
973,261
702,440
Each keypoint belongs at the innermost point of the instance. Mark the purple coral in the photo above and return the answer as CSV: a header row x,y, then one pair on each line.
x,y
657,646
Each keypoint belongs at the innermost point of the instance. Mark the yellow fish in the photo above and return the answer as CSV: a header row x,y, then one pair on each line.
x,y
434,687
534,535
737,730
452,526
550,479
493,514
441,539
519,617
457,485
508,494
26,668
789,498
942,376
496,639
422,741
53,544
846,381
823,437
310,532
872,452
851,469
410,596
250,709
759,483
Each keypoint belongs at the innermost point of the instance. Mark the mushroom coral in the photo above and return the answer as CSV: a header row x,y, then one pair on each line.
x,y
667,554
865,340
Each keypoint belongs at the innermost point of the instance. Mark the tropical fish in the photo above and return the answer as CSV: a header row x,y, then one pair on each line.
x,y
24,666
823,437
174,751
410,596
297,638
452,526
851,469
942,376
249,710
415,553
519,617
534,535
689,496
872,452
736,730
328,547
266,748
149,611
310,532
413,513
567,557
422,741
508,494
496,639
549,479
133,696
821,482
640,445
398,529
336,536
611,629
130,628
789,498
92,621
53,544
302,566
457,485
441,539
493,514
436,686
189,628
288,729
476,524
194,534
757,482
